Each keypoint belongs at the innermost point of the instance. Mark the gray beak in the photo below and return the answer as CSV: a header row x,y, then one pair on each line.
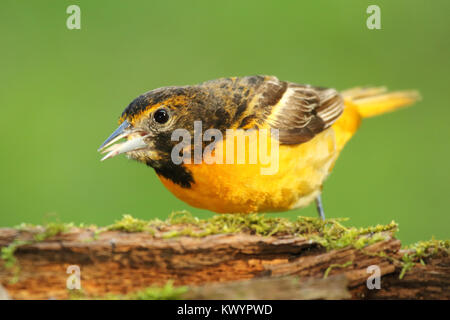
x,y
121,132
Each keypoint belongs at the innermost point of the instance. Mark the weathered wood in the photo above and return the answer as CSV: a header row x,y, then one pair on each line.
x,y
282,288
119,263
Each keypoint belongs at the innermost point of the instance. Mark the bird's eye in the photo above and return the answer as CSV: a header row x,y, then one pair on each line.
x,y
161,116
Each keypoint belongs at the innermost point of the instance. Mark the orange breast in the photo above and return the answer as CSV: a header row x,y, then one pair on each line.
x,y
242,188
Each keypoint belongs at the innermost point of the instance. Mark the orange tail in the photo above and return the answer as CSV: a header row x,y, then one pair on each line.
x,y
374,101
365,103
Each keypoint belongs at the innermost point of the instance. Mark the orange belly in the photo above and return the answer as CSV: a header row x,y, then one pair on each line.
x,y
241,188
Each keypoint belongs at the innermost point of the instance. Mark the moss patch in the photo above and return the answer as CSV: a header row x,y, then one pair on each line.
x,y
421,251
166,292
10,261
52,229
130,224
48,230
330,233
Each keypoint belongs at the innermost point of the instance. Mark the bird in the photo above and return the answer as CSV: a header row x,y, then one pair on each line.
x,y
312,125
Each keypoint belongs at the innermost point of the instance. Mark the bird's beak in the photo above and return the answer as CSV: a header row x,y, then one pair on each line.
x,y
123,131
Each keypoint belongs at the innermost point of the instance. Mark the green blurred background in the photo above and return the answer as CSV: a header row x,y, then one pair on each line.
x,y
62,91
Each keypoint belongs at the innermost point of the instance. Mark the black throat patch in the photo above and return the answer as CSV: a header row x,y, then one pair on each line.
x,y
178,174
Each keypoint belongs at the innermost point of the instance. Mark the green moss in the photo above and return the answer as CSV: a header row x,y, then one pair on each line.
x,y
182,217
420,251
166,292
335,265
10,261
130,224
52,229
224,223
426,249
331,234
251,223
257,224
7,255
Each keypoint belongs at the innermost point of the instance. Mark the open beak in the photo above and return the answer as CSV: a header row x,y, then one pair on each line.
x,y
123,131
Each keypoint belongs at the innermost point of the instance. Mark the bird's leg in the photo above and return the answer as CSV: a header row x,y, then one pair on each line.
x,y
319,207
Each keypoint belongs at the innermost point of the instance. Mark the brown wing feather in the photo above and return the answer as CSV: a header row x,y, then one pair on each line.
x,y
299,112
304,111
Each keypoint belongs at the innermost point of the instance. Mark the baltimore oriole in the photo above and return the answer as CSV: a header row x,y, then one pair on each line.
x,y
313,126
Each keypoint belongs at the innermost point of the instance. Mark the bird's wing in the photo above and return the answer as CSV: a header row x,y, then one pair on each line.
x,y
302,111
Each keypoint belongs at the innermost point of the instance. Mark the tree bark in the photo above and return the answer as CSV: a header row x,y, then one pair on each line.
x,y
224,266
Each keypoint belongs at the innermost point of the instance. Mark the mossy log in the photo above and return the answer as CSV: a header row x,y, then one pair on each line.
x,y
242,264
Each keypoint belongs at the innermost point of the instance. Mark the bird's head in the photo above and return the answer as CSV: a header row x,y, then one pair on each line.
x,y
148,122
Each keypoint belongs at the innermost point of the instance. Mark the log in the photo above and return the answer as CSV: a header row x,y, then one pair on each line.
x,y
234,265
